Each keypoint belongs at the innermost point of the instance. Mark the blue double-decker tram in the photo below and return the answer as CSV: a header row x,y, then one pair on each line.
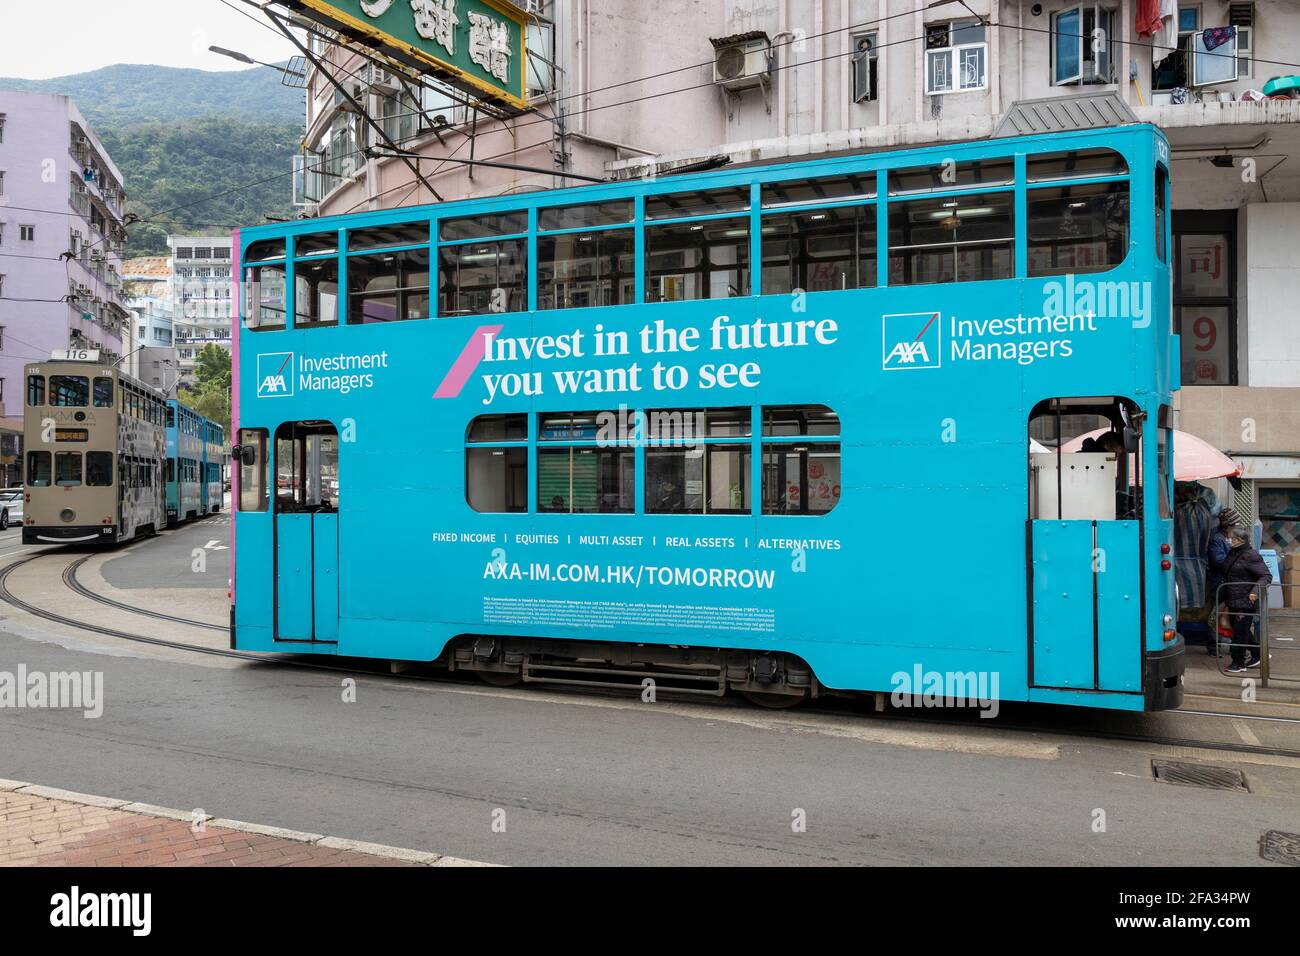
x,y
787,430
195,464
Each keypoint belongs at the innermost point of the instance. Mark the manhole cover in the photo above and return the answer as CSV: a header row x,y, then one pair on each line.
x,y
1278,847
1199,775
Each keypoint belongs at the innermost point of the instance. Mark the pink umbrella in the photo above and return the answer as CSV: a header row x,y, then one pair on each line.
x,y
1194,458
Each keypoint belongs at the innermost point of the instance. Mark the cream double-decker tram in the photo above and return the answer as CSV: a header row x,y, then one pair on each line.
x,y
95,445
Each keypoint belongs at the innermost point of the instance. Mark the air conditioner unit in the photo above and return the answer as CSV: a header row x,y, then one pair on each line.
x,y
741,63
97,255
381,80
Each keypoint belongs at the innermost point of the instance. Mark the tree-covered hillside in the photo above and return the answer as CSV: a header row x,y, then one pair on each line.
x,y
181,136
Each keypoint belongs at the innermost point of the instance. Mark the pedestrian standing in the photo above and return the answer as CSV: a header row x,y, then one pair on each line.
x,y
1245,578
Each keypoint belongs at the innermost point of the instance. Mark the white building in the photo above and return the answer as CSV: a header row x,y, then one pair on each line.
x,y
622,90
152,357
200,294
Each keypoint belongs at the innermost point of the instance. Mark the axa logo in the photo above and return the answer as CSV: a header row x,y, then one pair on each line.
x,y
911,340
275,375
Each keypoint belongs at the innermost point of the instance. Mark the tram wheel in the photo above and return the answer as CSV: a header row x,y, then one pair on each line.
x,y
500,678
772,701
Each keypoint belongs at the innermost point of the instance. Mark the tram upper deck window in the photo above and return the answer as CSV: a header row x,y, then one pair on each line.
x,y
389,237
35,390
479,278
585,479
482,227
103,392
496,477
698,479
1074,164
69,391
316,244
819,249
582,269
703,202
388,286
265,287
1077,229
38,469
697,260
826,189
927,179
951,238
801,478
615,213
315,293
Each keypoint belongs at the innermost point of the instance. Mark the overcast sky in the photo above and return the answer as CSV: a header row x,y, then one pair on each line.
x,y
44,38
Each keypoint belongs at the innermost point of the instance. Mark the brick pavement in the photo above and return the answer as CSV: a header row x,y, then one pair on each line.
x,y
42,827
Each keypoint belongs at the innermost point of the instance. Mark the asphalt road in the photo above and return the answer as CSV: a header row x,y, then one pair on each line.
x,y
583,778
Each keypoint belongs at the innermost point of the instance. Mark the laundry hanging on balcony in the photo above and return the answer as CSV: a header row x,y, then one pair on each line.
x,y
1217,36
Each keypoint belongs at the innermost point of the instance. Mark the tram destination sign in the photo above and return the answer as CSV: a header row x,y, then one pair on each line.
x,y
476,45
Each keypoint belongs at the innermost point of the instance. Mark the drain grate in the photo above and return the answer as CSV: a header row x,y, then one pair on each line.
x,y
1278,847
1202,775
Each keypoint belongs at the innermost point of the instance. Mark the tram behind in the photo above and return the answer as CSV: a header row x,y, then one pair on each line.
x,y
95,445
195,464
787,430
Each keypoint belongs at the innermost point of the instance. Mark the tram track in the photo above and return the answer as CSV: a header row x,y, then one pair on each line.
x,y
70,580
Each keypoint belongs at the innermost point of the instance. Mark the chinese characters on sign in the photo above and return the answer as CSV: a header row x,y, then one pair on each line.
x,y
436,20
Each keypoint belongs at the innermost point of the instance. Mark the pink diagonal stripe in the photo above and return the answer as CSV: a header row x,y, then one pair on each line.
x,y
466,362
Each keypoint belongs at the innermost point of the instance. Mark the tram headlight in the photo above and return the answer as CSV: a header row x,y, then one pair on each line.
x,y
67,514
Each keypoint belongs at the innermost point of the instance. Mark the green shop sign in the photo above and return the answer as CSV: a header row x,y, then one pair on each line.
x,y
476,44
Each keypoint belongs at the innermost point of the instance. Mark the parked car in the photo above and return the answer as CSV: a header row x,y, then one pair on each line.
x,y
11,507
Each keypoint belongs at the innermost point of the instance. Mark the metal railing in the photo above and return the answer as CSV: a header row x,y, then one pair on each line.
x,y
1264,620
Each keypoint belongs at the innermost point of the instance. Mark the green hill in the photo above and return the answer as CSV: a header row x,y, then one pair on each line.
x,y
181,136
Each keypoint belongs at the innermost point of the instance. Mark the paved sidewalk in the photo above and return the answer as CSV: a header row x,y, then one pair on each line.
x,y
40,826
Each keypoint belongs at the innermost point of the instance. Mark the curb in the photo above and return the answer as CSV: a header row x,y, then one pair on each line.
x,y
420,857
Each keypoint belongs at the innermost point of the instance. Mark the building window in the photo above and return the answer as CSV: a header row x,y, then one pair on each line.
x,y
1205,301
1172,72
26,233
865,64
2,182
2,127
1081,45
956,57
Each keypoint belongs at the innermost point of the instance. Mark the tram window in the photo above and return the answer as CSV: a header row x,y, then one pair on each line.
x,y
480,227
821,249
951,239
781,420
481,278
67,468
689,424
265,250
572,426
801,479
387,237
318,243
171,470
1075,164
498,428
702,260
388,287
703,202
264,298
306,468
35,390
1161,215
593,214
252,477
496,479
924,179
1081,460
1077,229
69,391
585,480
580,270
99,468
316,293
38,469
823,190
703,479
1163,460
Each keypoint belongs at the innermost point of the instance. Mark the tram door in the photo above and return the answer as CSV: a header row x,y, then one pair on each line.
x,y
1085,552
306,532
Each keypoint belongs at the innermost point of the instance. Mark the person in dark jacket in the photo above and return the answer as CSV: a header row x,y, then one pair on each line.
x,y
1245,584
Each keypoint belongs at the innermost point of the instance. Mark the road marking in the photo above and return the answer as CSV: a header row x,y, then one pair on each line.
x,y
1245,733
